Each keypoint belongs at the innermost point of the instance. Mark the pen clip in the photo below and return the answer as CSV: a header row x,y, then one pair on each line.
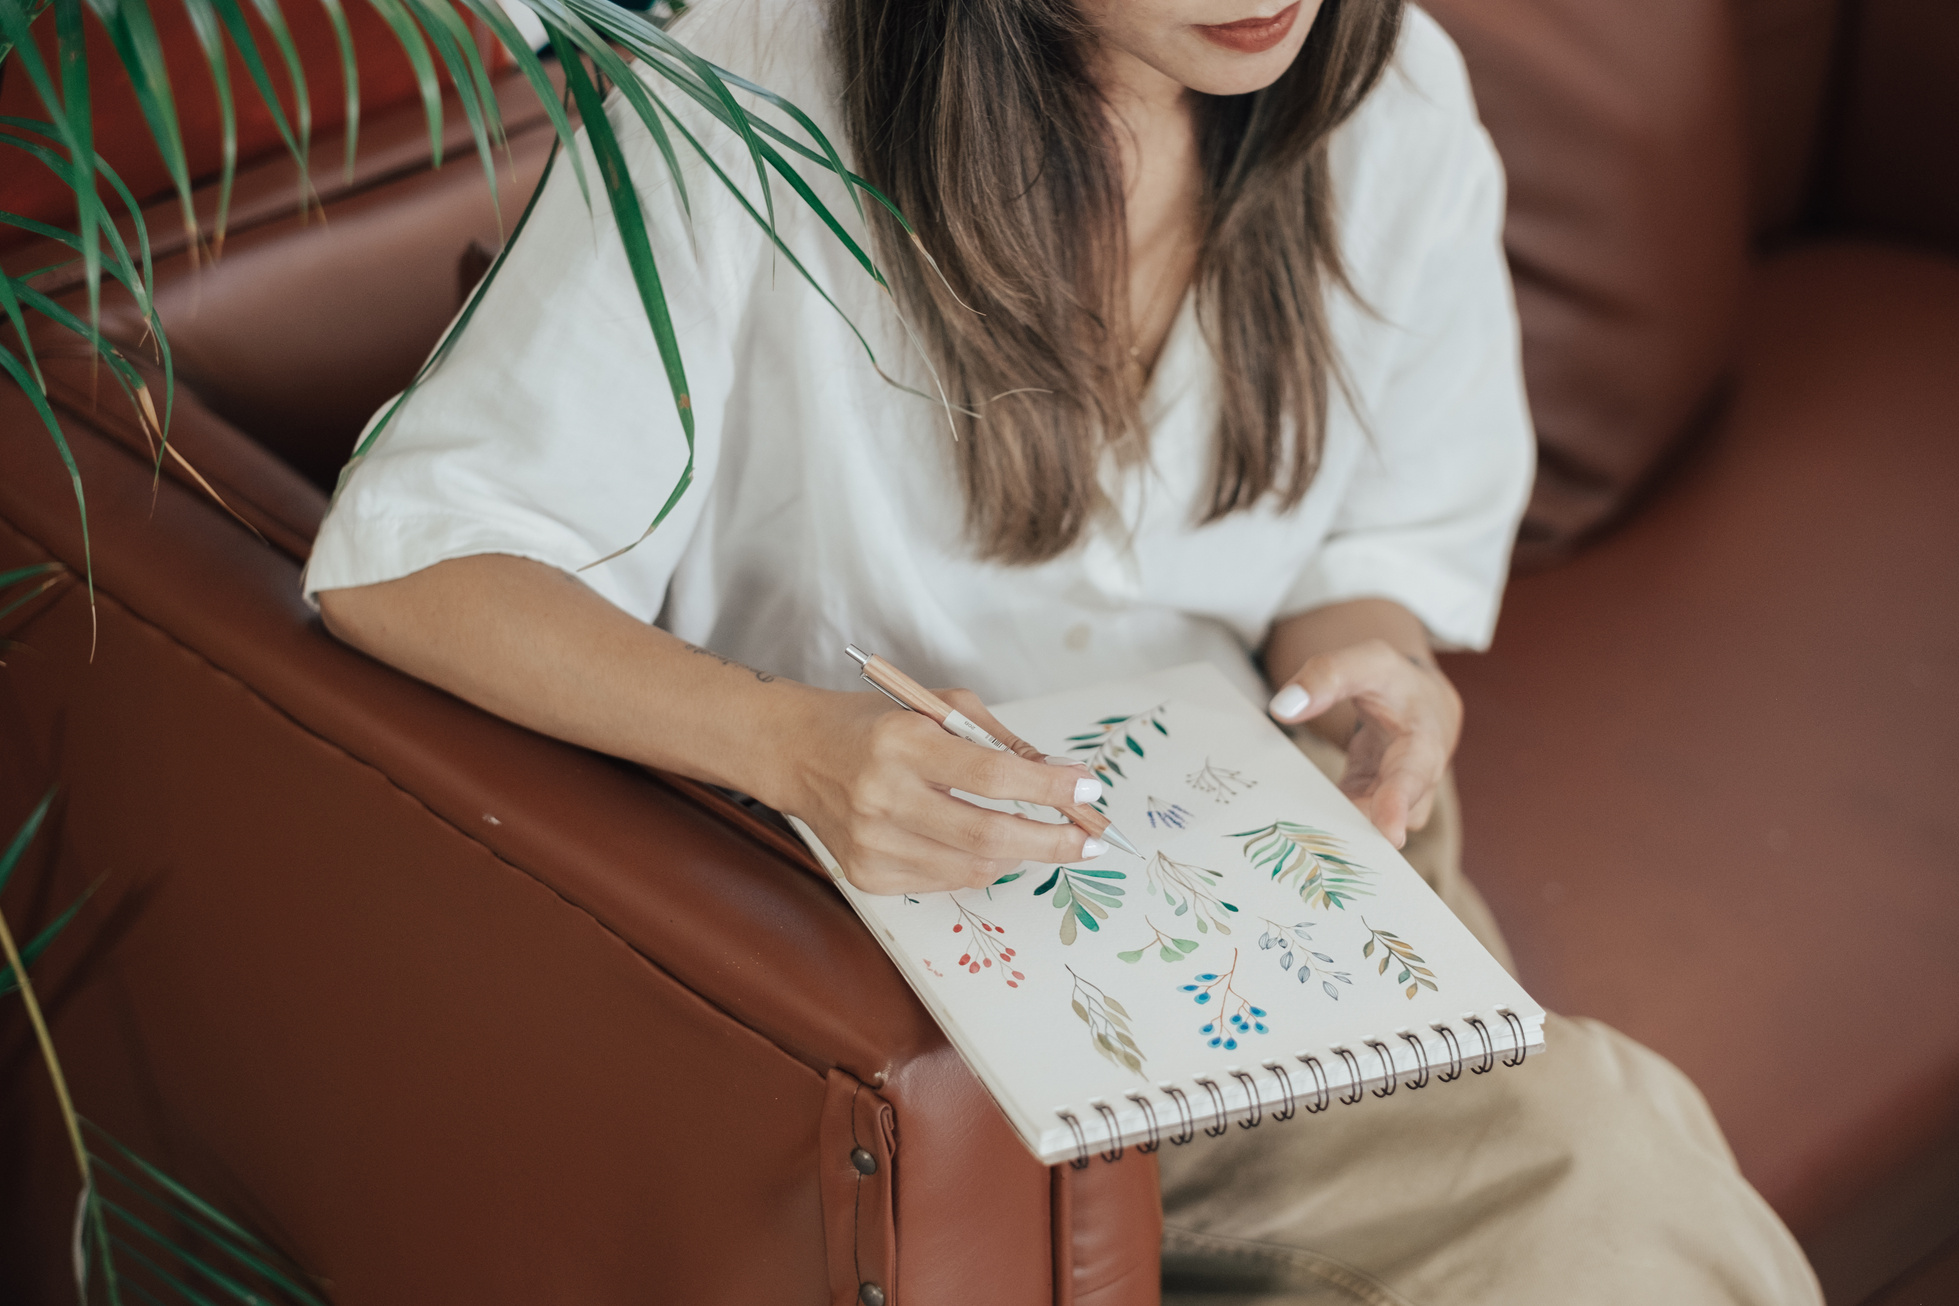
x,y
887,693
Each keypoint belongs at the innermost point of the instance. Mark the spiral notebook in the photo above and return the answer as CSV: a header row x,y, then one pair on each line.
x,y
1269,955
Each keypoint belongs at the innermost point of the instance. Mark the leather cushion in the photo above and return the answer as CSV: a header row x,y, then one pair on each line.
x,y
1619,127
1708,771
1894,167
306,327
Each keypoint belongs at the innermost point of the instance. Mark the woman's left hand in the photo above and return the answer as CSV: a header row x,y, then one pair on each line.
x,y
1406,717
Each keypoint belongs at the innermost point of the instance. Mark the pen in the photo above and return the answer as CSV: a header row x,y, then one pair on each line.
x,y
912,696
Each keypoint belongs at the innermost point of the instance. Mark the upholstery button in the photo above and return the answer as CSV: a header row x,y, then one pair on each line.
x,y
866,1164
870,1294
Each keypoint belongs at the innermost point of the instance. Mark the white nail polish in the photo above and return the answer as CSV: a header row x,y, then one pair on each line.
x,y
1088,790
1290,702
1093,848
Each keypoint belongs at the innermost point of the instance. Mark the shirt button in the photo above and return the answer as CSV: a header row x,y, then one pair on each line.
x,y
1077,636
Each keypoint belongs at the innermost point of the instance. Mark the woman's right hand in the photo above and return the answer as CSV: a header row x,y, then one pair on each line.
x,y
874,781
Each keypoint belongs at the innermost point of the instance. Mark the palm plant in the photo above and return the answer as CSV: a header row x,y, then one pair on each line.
x,y
178,1244
592,41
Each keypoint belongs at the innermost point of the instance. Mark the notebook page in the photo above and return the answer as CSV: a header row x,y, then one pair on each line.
x,y
1111,1001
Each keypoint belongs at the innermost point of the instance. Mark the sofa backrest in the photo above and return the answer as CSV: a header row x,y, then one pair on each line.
x,y
1620,130
306,326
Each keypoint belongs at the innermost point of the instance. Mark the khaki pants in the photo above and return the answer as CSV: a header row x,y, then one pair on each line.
x,y
1591,1176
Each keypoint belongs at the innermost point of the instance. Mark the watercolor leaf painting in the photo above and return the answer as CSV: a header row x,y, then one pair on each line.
x,y
1191,891
1168,946
1112,742
1312,859
1393,951
1294,942
1085,897
1108,1024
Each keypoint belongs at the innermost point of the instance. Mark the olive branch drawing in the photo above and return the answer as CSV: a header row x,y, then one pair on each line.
x,y
1189,890
1415,975
1085,898
1108,1024
1113,738
1315,859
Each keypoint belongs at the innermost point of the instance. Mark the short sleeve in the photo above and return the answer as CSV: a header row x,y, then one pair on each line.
x,y
550,431
1430,515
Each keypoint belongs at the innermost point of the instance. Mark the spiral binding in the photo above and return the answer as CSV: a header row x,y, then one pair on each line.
x,y
1284,1099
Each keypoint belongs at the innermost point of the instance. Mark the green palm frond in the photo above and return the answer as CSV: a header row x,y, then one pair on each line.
x,y
1315,861
592,41
180,1244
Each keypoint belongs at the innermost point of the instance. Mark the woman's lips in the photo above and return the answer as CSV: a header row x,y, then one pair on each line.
x,y
1252,35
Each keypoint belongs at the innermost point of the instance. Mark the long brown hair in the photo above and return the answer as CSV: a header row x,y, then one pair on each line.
x,y
979,119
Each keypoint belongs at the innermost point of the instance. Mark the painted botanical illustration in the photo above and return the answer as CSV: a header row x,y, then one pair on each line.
x,y
1393,951
1166,816
1085,897
1112,742
984,946
1108,1024
1190,890
1313,861
1233,1015
1292,942
1168,946
1219,783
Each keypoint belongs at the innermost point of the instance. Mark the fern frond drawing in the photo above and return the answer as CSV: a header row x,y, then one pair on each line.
x,y
1085,898
1190,891
1221,784
1292,942
1314,860
1108,1024
1394,952
1164,815
1113,740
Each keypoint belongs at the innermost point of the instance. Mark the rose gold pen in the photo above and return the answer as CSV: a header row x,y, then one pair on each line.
x,y
909,694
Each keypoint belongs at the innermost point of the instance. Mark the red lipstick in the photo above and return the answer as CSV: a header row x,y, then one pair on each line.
x,y
1252,35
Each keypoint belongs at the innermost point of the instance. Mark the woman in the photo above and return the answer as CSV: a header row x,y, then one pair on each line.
x,y
1217,303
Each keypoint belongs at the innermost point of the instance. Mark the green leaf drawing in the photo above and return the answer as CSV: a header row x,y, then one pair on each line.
x,y
1314,860
1394,952
1108,1025
1085,898
1167,946
1191,891
1114,737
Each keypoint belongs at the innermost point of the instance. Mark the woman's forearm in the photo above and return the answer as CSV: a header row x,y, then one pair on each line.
x,y
536,646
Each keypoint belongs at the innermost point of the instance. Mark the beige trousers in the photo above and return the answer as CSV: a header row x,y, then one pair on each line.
x,y
1593,1175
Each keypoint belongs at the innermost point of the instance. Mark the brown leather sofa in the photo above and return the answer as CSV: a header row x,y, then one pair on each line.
x,y
454,1012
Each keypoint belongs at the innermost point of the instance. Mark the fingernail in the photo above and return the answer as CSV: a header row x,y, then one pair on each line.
x,y
1056,760
1093,848
1088,790
1289,702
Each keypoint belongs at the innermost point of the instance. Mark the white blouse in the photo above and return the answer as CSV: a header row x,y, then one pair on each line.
x,y
826,507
